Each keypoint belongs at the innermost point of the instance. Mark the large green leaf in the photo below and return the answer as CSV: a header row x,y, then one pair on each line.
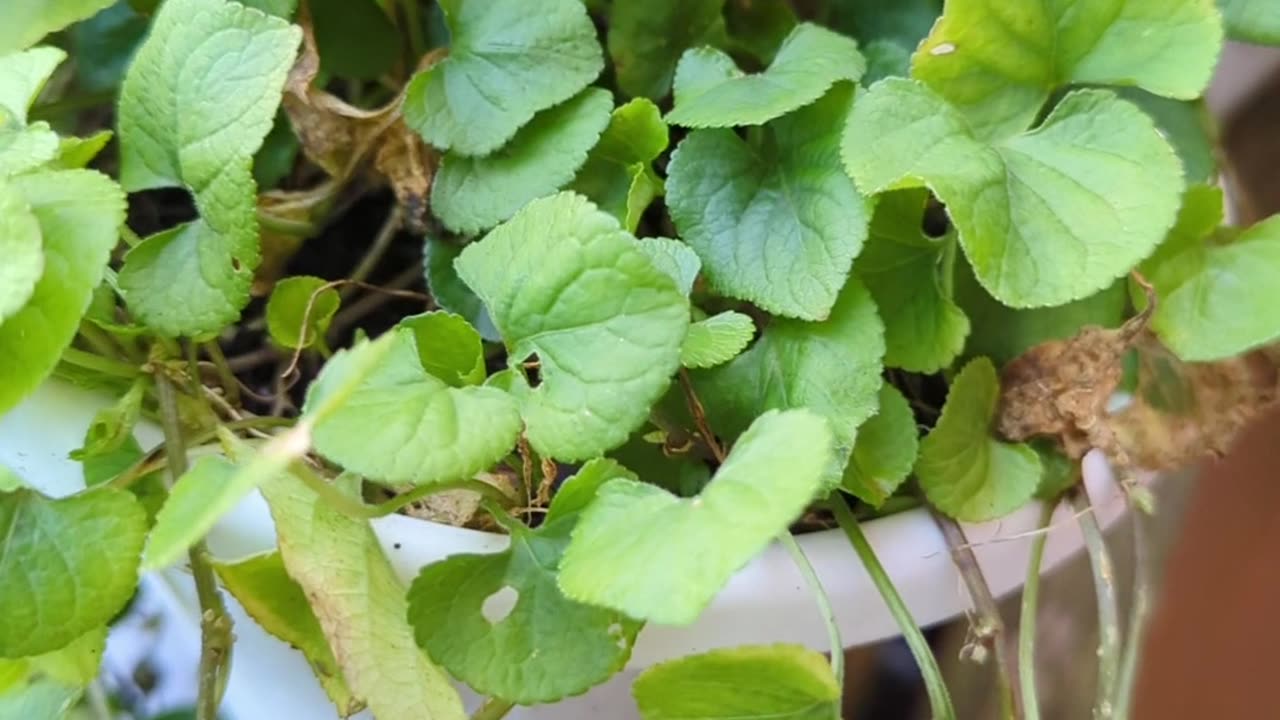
x,y
907,274
22,75
405,425
752,682
618,175
652,555
964,471
185,121
776,222
1187,125
46,685
646,40
1045,217
711,92
605,325
471,194
80,212
359,603
830,367
999,61
465,618
277,603
20,246
885,450
26,21
1255,21
1217,291
66,566
507,60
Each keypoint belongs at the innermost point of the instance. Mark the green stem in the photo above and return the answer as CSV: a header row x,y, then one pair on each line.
x,y
939,698
1027,618
98,363
285,226
354,508
228,379
143,466
493,709
1139,615
97,340
215,624
413,23
824,604
1104,588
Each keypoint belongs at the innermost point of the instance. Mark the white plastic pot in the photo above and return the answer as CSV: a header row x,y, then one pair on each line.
x,y
767,601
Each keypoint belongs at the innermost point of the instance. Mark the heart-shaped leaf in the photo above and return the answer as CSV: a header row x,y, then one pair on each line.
x,y
885,450
294,318
618,175
25,145
716,340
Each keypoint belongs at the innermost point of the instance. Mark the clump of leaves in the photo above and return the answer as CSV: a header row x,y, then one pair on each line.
x,y
649,287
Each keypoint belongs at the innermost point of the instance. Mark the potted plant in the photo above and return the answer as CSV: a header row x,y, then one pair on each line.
x,y
708,286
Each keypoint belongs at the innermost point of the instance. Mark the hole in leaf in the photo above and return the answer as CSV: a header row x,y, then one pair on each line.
x,y
532,366
935,222
151,211
499,605
236,264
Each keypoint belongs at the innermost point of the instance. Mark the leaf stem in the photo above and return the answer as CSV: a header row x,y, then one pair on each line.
x,y
699,414
215,624
228,379
939,697
356,509
1105,591
381,242
144,465
1027,618
493,709
989,629
1139,614
824,604
98,363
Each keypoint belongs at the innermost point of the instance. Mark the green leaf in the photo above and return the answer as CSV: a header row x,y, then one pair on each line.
x,y
712,93
277,603
79,212
450,292
751,682
471,194
26,21
45,686
75,153
885,450
483,617
1003,333
776,222
683,474
186,122
1050,216
887,32
507,60
66,566
22,76
964,471
649,554
1255,21
907,274
403,424
760,27
674,259
448,347
1217,292
355,38
104,44
998,62
716,340
605,325
9,480
646,40
39,697
206,492
359,603
20,246
1187,126
288,320
831,367
618,174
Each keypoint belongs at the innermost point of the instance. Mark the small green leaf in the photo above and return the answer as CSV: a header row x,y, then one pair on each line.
x,y
885,450
1255,21
20,246
1047,217
649,554
79,212
272,598
355,38
288,320
507,60
776,222
22,75
471,194
751,682
618,175
831,367
1217,292
964,471
465,617
999,62
186,122
716,340
448,347
907,274
405,425
712,93
75,153
359,603
67,566
26,21
646,39
673,258
605,324
450,292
